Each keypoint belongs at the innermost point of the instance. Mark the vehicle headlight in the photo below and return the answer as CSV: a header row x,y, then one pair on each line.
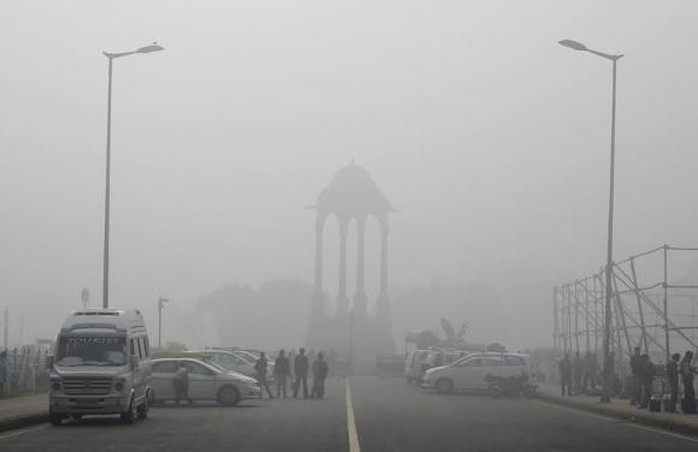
x,y
119,386
56,385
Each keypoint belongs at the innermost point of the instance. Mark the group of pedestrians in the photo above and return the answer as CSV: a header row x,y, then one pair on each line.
x,y
643,372
686,371
282,375
578,375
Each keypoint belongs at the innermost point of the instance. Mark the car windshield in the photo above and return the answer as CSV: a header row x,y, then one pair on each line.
x,y
91,351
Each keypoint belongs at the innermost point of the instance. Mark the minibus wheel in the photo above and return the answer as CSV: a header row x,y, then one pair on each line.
x,y
144,407
55,419
131,415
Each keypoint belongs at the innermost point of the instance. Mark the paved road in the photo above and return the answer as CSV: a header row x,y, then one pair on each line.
x,y
390,416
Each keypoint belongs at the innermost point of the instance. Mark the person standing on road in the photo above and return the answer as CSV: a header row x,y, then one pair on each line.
x,y
672,372
647,372
688,403
181,383
566,374
636,370
3,371
291,365
578,370
260,368
300,368
281,371
588,377
320,371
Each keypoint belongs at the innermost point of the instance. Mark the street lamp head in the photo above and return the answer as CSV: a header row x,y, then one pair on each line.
x,y
154,47
572,44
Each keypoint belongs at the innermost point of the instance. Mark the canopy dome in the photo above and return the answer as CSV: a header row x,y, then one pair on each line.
x,y
353,193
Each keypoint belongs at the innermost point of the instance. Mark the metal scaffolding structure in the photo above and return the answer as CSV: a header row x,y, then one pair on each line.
x,y
650,308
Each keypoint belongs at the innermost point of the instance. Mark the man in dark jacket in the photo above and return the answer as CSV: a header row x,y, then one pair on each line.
x,y
566,374
577,372
672,373
636,370
180,381
300,368
647,373
260,368
688,404
320,371
281,370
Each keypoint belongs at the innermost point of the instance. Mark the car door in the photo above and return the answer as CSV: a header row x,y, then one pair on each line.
x,y
492,365
162,377
201,381
469,372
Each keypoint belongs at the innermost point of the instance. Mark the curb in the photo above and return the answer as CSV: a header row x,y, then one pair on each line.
x,y
22,421
639,418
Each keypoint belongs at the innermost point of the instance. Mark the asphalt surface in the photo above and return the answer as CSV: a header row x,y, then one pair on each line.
x,y
389,415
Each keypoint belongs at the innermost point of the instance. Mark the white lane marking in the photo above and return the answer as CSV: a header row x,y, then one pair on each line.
x,y
621,422
351,423
22,432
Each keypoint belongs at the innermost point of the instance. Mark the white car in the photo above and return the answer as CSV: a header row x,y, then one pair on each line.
x,y
241,362
469,373
227,360
206,382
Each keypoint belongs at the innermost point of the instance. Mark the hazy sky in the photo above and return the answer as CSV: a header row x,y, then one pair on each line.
x,y
488,137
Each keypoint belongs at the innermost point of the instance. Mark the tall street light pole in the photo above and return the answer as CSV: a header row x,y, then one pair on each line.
x,y
111,56
607,362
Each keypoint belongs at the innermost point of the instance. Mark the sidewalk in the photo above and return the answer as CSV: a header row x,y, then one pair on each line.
x,y
23,411
621,409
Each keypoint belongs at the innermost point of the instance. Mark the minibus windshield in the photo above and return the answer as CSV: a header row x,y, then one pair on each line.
x,y
86,350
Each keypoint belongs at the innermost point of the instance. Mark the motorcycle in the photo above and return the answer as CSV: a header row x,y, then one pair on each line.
x,y
513,386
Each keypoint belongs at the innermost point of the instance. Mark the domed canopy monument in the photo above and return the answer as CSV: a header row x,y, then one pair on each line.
x,y
352,197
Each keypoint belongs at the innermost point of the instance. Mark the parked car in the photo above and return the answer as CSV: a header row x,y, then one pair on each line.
x,y
419,361
470,372
206,382
227,360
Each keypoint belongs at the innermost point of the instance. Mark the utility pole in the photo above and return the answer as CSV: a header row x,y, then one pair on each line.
x,y
85,298
6,335
161,304
21,329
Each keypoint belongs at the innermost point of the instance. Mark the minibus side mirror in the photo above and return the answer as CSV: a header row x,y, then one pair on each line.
x,y
49,362
134,362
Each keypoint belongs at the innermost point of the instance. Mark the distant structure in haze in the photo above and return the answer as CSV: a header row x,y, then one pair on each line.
x,y
352,197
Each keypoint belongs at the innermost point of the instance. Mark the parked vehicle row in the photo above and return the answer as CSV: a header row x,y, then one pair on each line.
x,y
445,370
103,364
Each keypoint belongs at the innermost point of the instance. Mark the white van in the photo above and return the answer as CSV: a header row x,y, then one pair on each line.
x,y
101,365
469,373
415,365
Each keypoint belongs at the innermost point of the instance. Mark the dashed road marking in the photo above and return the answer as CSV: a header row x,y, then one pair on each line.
x,y
23,431
351,423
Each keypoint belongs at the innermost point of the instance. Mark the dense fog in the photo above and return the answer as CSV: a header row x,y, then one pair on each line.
x,y
490,141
